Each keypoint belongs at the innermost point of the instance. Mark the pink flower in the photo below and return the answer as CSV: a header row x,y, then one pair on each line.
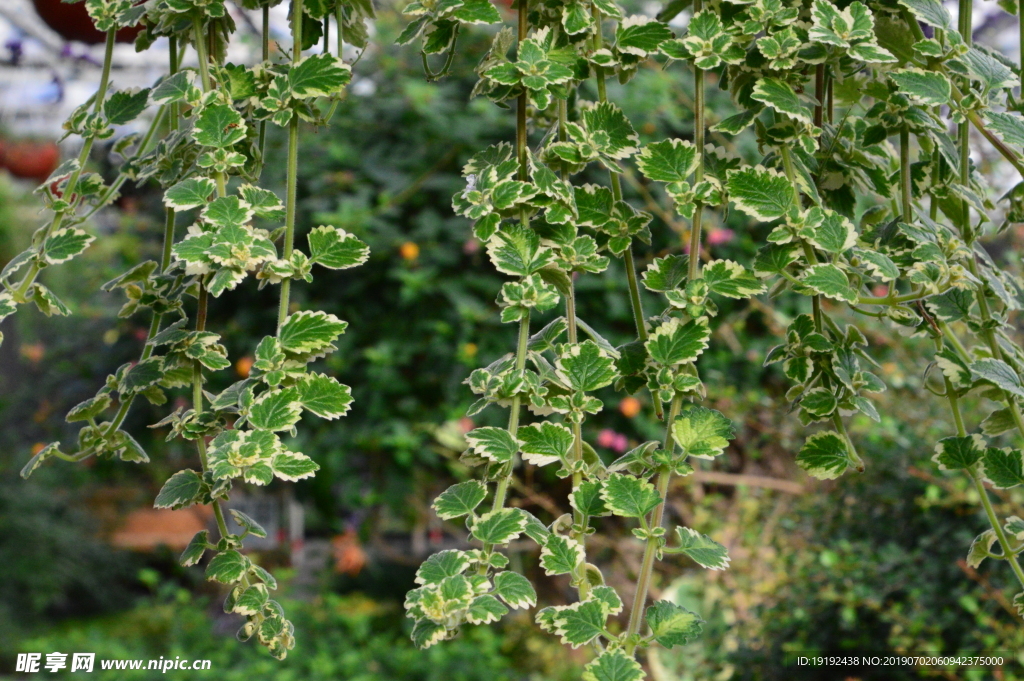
x,y
609,439
717,237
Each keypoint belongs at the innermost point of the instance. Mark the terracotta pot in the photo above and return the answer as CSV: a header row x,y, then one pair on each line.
x,y
28,159
73,22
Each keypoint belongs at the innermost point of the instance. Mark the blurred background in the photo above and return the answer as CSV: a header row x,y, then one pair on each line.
x,y
868,563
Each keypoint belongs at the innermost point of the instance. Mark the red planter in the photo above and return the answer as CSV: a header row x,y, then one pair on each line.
x,y
28,159
72,22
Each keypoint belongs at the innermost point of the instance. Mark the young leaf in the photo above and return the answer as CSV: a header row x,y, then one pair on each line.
x,y
193,553
517,251
442,565
824,455
629,497
460,499
673,625
248,524
190,193
515,590
666,274
124,106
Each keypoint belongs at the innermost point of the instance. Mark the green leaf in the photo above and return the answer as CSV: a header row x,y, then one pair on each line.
x,y
586,367
426,633
676,342
702,432
248,524
881,267
460,499
560,555
227,567
441,565
183,489
323,395
1010,126
219,125
124,106
666,274
292,466
251,601
276,410
586,498
925,87
515,590
619,140
931,12
824,455
998,422
193,553
89,409
833,233
760,193
485,609
641,35
335,248
189,193
613,665
1004,468
144,374
629,497
780,96
672,160
579,623
499,527
830,281
263,202
545,442
701,548
64,244
319,75
496,444
774,258
673,625
310,332
819,403
999,373
39,457
517,251
172,88
731,279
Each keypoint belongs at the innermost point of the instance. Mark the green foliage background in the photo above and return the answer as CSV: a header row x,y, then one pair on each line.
x,y
866,564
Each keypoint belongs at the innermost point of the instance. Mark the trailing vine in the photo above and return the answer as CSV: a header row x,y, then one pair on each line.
x,y
209,162
907,253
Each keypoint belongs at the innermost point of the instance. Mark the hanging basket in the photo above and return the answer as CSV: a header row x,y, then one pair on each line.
x,y
73,22
29,159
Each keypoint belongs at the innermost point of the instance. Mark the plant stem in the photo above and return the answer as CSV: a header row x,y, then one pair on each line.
x,y
293,175
905,191
265,39
643,582
627,257
83,157
698,174
986,501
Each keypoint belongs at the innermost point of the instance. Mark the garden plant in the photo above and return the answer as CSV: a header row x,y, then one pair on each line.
x,y
865,117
